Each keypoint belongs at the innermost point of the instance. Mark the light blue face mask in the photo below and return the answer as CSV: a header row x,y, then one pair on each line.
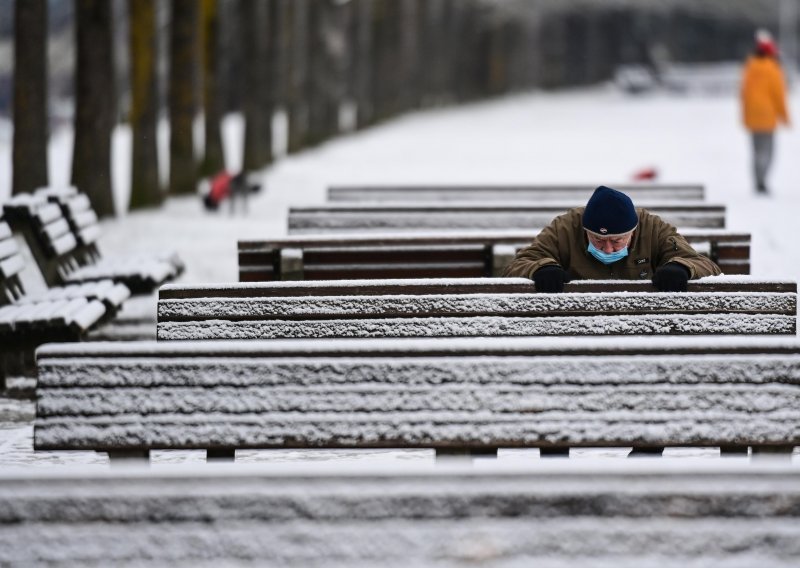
x,y
607,257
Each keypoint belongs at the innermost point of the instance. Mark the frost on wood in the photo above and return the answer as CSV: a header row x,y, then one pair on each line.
x,y
522,519
418,401
456,304
481,326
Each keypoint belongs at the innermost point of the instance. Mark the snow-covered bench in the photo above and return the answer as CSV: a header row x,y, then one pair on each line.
x,y
574,193
731,514
61,260
472,307
454,395
431,255
354,218
63,313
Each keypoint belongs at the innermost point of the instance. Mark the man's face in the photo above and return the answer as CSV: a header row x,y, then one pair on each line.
x,y
610,244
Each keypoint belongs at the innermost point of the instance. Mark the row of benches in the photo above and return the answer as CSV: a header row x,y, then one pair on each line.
x,y
83,290
460,383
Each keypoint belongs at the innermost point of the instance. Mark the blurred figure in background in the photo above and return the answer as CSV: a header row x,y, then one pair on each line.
x,y
763,95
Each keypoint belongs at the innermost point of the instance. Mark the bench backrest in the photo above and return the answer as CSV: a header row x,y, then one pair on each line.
x,y
472,307
577,194
11,264
474,393
466,216
82,219
47,233
447,255
542,516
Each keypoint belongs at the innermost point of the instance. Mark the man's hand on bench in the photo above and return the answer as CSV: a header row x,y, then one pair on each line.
x,y
550,278
672,277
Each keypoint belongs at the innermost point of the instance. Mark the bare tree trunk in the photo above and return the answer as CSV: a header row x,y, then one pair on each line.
x,y
213,159
94,104
298,96
361,71
257,100
182,95
145,184
326,85
29,153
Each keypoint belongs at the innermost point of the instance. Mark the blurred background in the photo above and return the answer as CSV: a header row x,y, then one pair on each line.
x,y
299,72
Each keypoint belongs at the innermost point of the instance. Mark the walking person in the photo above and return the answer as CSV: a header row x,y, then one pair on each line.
x,y
763,96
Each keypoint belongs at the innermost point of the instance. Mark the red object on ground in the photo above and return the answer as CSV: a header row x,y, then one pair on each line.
x,y
645,174
220,189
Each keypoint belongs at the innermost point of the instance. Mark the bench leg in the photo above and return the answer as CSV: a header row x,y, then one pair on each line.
x,y
733,451
554,452
128,457
462,453
221,455
773,452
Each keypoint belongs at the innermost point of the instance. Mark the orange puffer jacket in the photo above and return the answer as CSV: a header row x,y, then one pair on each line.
x,y
763,95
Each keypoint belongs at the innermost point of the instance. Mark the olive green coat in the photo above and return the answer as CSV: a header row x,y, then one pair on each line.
x,y
564,242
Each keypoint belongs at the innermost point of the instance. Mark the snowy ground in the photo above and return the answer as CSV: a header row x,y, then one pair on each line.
x,y
596,136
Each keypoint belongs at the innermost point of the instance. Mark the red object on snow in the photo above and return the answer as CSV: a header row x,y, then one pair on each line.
x,y
645,174
220,190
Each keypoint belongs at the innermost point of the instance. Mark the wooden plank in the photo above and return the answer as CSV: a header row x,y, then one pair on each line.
x,y
578,193
84,219
455,286
56,229
519,237
460,216
8,247
11,266
547,515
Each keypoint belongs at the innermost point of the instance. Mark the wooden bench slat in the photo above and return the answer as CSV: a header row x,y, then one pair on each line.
x,y
454,286
8,247
11,266
555,192
536,516
342,219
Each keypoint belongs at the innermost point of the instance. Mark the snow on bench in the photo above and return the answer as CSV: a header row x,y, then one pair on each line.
x,y
472,307
464,394
61,260
458,215
431,255
549,516
65,313
579,194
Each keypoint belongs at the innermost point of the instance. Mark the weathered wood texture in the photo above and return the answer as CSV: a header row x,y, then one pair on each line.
x,y
473,393
471,216
451,254
488,193
465,308
544,516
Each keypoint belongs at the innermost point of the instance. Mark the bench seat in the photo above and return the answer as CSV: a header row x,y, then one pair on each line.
x,y
738,515
354,218
430,255
472,307
577,193
449,394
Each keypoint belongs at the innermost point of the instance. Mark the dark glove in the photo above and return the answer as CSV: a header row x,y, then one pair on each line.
x,y
550,278
672,277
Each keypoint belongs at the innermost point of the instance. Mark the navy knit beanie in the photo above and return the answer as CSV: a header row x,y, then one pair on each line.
x,y
609,212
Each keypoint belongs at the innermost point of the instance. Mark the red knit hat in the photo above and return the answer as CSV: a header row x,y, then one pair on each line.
x,y
765,43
